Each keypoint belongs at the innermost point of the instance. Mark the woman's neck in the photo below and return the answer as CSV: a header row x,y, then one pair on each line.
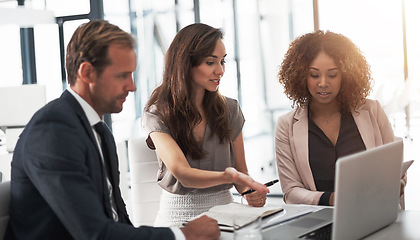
x,y
324,109
199,98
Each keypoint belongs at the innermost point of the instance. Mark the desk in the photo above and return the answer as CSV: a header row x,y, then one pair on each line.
x,y
406,227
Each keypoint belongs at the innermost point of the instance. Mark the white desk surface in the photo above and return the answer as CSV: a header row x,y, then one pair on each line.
x,y
406,227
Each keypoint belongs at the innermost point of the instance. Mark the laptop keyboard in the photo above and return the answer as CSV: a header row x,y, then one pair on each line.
x,y
322,233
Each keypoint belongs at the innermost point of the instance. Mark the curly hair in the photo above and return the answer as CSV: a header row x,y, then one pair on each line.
x,y
174,99
356,82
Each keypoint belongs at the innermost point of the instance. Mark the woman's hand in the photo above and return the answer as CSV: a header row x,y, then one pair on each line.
x,y
332,198
402,184
255,199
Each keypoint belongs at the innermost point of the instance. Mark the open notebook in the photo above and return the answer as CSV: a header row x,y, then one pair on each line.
x,y
242,213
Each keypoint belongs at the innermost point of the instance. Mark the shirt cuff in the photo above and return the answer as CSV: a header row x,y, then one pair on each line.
x,y
178,233
325,199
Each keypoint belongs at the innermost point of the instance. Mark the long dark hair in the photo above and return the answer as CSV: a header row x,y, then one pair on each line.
x,y
174,98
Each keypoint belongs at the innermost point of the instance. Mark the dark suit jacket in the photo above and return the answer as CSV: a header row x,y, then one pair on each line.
x,y
58,186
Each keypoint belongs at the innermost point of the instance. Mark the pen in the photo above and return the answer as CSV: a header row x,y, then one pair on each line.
x,y
266,184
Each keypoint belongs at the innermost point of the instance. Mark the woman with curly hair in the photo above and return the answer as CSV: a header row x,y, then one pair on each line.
x,y
328,79
196,131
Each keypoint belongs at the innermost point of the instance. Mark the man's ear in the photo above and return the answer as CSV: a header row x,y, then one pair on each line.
x,y
86,72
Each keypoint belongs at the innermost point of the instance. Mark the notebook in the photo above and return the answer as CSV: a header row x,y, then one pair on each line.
x,y
366,197
242,213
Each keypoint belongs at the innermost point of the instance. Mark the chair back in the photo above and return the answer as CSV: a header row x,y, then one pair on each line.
x,y
17,105
123,168
4,207
145,192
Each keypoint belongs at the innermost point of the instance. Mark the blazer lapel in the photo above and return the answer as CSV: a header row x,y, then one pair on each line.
x,y
300,139
362,119
123,217
69,98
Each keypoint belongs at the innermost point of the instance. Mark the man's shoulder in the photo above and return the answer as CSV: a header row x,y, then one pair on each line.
x,y
65,104
63,109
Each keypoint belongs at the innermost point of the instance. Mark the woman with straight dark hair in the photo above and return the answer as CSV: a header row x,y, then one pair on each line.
x,y
196,131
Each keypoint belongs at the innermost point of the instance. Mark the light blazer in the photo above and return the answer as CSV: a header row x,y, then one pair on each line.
x,y
58,187
292,148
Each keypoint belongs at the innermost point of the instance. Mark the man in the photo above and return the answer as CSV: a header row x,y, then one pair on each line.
x,y
64,183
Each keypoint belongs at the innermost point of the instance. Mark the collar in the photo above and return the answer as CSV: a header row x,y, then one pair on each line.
x,y
301,112
91,114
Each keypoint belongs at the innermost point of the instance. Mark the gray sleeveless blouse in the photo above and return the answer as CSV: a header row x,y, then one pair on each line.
x,y
218,158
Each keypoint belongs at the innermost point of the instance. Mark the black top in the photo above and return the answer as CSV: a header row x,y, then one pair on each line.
x,y
323,154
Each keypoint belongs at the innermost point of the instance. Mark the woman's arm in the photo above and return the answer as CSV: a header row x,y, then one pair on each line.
x,y
175,160
385,127
256,199
294,189
240,164
387,134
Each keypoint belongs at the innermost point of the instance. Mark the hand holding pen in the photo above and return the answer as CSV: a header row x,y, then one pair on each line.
x,y
266,184
256,199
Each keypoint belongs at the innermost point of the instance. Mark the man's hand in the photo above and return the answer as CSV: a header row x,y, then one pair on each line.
x,y
203,227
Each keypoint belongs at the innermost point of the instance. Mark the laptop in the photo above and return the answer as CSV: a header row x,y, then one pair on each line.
x,y
367,192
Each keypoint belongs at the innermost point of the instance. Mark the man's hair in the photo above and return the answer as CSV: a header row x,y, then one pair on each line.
x,y
90,43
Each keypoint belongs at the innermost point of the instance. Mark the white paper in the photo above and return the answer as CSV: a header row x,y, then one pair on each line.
x,y
243,214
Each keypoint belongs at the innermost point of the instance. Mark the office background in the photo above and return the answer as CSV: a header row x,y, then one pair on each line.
x,y
257,34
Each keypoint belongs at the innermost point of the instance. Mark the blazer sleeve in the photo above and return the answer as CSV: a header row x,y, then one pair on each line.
x,y
291,170
388,136
385,127
60,160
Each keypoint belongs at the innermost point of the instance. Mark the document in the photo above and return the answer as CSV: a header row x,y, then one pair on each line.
x,y
242,213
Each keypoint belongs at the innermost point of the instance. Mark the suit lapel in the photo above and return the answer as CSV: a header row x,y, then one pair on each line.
x,y
362,119
102,186
68,97
123,217
300,139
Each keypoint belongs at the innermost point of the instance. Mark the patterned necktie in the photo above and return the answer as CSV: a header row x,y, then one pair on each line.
x,y
107,144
